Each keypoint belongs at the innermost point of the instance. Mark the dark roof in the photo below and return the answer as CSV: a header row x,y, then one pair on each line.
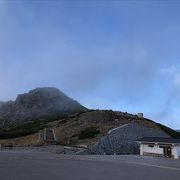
x,y
160,140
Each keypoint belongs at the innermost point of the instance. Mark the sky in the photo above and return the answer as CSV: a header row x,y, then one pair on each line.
x,y
119,55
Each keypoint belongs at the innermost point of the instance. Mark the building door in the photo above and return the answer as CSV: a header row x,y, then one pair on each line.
x,y
167,152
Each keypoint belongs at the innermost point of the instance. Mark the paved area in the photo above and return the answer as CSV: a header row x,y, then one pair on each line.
x,y
28,165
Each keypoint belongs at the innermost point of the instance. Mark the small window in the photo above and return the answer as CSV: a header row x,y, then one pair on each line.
x,y
150,145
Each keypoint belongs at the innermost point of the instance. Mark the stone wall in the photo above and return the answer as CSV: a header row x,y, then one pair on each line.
x,y
123,140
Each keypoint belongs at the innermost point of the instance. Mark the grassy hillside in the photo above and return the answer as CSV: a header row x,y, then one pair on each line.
x,y
22,129
170,131
85,127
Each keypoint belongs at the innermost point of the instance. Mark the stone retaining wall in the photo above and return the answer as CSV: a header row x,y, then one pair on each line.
x,y
123,140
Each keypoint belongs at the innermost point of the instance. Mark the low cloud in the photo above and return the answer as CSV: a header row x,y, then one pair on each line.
x,y
111,72
173,74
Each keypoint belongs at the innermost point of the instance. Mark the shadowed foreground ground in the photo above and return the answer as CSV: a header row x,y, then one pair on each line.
x,y
30,165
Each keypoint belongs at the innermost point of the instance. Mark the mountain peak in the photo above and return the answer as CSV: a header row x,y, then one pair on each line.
x,y
41,95
39,103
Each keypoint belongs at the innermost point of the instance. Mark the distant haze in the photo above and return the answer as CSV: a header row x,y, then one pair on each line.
x,y
120,55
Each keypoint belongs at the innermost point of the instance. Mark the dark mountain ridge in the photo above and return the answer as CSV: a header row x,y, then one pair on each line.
x,y
49,107
40,103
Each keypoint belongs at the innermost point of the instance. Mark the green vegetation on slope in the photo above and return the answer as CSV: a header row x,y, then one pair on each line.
x,y
105,117
170,131
24,129
21,129
88,133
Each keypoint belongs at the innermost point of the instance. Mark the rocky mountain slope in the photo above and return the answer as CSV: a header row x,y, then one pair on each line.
x,y
25,120
90,126
102,131
1,103
37,104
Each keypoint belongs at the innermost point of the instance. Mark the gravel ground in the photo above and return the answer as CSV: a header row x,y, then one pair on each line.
x,y
51,148
33,165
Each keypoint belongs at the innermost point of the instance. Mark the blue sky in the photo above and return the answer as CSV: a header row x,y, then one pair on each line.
x,y
120,55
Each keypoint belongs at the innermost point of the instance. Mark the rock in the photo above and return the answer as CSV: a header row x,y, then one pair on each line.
x,y
36,104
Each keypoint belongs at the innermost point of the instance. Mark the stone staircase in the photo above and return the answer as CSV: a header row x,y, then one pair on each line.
x,y
47,136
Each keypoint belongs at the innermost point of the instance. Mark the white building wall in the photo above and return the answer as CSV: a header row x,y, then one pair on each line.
x,y
178,151
144,148
141,149
174,152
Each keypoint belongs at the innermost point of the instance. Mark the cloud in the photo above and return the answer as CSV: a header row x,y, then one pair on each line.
x,y
3,10
173,73
99,62
169,108
177,80
3,7
44,55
